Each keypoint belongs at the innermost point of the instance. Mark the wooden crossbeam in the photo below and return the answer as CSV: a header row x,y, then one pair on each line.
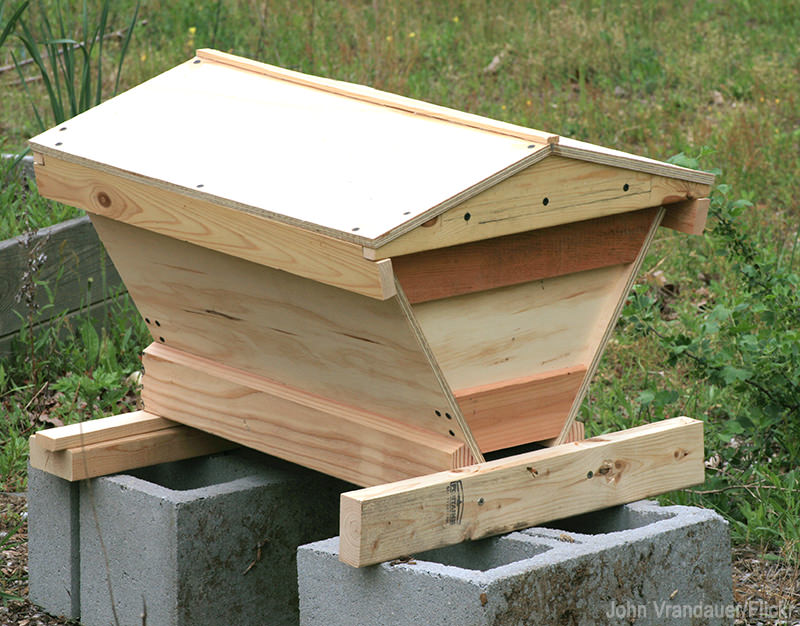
x,y
688,216
117,444
389,521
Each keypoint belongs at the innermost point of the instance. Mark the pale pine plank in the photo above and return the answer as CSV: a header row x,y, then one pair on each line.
x,y
240,234
119,455
511,413
688,216
339,440
388,521
103,429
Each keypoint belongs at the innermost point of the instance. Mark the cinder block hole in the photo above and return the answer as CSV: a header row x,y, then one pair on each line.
x,y
484,554
195,473
609,520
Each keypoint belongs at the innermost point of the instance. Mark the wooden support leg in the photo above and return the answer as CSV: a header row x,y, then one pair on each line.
x,y
389,521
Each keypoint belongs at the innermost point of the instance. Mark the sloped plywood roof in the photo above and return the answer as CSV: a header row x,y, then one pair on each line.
x,y
345,160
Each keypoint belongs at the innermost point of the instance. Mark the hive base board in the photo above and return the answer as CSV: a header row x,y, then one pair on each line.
x,y
389,521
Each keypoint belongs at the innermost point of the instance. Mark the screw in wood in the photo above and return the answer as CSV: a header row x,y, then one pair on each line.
x,y
589,474
480,501
625,187
467,217
546,201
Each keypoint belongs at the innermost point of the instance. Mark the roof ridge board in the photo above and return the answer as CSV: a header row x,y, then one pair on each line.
x,y
378,97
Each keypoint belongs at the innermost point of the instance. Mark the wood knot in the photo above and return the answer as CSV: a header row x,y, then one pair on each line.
x,y
103,199
430,222
680,453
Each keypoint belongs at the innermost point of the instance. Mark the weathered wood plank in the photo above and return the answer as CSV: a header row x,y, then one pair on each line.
x,y
522,257
502,415
118,455
244,235
99,430
339,440
388,521
75,267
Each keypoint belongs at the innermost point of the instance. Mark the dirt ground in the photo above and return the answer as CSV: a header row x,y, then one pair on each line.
x,y
766,589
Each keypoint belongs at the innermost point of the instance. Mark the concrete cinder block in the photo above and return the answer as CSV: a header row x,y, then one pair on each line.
x,y
53,549
639,563
205,541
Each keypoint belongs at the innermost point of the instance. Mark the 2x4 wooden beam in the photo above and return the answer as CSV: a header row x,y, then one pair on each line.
x,y
410,516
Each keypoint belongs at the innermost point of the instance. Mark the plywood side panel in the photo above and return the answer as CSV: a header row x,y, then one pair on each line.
x,y
522,257
320,339
243,235
522,410
388,521
523,330
342,441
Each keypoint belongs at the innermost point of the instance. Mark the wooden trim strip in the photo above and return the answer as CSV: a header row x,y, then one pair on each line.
x,y
126,453
688,216
100,430
507,414
407,517
522,257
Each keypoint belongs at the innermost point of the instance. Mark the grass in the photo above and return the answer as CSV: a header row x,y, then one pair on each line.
x,y
718,81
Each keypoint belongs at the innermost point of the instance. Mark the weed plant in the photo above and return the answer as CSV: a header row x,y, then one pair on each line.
x,y
711,329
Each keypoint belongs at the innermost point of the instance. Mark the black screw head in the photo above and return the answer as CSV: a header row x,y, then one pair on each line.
x,y
467,217
546,201
625,187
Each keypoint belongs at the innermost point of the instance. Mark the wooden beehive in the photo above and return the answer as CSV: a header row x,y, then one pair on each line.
x,y
367,285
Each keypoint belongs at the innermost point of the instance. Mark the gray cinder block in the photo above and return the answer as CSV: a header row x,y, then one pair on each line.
x,y
211,540
53,549
639,563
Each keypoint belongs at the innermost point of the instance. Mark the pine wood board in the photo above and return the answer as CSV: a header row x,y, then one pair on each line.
x,y
511,413
323,340
174,443
688,216
284,150
522,257
243,235
339,440
602,332
100,430
410,516
555,190
523,330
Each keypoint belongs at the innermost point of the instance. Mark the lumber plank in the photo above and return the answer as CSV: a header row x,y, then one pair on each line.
x,y
502,415
243,235
383,98
577,432
523,330
688,216
339,440
522,257
99,430
608,321
119,455
325,341
410,516
74,266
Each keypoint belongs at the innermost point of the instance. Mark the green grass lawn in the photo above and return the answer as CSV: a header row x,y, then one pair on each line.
x,y
712,330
